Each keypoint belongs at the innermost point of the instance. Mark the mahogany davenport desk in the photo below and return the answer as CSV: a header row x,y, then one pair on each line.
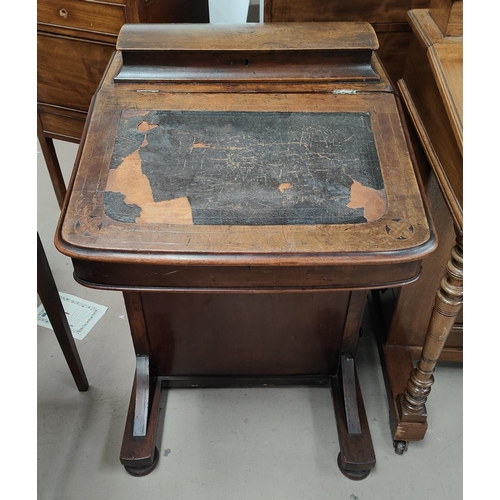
x,y
244,186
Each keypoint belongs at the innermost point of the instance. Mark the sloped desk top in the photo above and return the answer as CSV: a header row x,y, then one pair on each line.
x,y
216,174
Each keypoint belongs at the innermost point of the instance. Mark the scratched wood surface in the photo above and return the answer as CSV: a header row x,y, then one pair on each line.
x,y
403,226
371,208
244,168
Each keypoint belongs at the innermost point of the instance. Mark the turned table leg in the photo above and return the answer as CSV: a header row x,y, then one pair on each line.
x,y
448,302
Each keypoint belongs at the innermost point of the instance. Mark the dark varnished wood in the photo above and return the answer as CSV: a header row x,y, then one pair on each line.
x,y
235,334
135,313
244,66
49,295
236,381
216,301
357,304
400,234
82,64
139,454
236,277
357,456
249,36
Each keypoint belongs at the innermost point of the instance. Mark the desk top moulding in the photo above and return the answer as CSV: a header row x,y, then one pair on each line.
x,y
221,163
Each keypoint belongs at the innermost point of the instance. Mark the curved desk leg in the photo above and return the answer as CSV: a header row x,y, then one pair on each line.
x,y
411,405
49,295
139,454
357,455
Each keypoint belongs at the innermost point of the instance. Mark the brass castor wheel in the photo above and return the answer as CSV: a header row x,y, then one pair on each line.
x,y
400,447
147,469
353,475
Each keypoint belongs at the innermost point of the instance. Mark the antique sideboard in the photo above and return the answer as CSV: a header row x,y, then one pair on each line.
x,y
388,18
245,186
416,324
75,41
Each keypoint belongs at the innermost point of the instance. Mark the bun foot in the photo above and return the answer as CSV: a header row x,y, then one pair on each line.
x,y
353,475
144,471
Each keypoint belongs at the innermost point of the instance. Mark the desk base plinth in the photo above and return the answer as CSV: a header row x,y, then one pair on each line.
x,y
139,454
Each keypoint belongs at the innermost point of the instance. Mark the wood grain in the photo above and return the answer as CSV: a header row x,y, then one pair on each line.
x,y
331,241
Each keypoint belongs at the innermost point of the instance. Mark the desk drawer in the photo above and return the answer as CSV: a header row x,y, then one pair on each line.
x,y
69,70
82,15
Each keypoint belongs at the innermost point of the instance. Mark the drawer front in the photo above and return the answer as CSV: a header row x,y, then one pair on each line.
x,y
69,70
82,15
61,125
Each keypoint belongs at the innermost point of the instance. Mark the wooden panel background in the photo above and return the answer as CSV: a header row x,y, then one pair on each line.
x,y
245,334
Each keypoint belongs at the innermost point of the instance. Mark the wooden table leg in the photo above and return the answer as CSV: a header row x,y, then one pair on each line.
x,y
50,156
49,295
357,455
448,303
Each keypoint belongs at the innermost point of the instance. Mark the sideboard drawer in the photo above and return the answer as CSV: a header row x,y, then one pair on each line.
x,y
82,15
62,123
81,64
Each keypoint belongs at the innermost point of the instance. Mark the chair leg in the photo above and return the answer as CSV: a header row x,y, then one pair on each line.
x,y
49,295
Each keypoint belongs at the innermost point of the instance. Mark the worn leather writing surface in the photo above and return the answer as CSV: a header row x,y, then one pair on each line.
x,y
244,168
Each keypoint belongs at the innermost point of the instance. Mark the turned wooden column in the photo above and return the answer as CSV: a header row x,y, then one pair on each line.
x,y
432,92
448,303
